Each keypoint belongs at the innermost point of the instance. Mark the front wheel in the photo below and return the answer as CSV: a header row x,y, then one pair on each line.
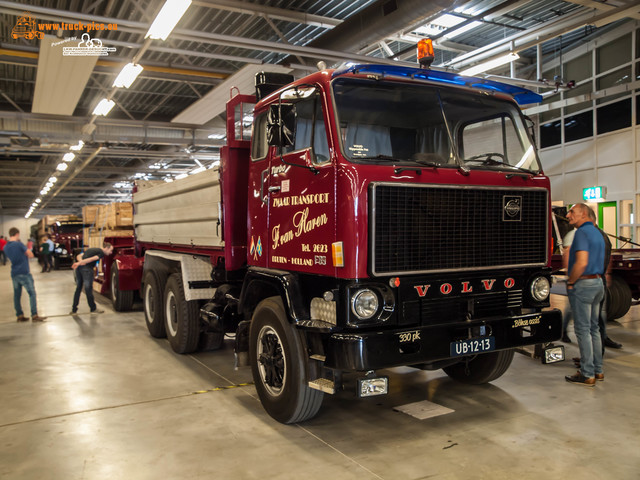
x,y
122,299
278,363
181,317
483,368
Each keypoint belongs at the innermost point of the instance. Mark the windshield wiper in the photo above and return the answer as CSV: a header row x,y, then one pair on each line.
x,y
488,159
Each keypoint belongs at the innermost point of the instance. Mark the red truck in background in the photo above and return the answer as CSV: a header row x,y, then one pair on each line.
x,y
375,216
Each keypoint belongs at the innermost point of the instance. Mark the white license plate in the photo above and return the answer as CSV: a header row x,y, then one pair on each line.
x,y
472,346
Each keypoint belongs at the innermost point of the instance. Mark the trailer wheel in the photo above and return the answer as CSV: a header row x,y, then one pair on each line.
x,y
278,363
181,317
620,298
484,368
210,341
122,299
152,301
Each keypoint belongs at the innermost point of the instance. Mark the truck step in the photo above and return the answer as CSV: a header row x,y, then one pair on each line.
x,y
324,385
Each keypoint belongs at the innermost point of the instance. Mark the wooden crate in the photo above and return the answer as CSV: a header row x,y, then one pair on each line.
x,y
115,215
97,235
89,214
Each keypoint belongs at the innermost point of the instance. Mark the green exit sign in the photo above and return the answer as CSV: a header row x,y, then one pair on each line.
x,y
594,193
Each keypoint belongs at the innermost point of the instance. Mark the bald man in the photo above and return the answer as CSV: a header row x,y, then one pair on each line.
x,y
586,290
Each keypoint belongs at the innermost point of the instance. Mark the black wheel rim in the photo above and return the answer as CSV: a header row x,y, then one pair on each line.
x,y
271,360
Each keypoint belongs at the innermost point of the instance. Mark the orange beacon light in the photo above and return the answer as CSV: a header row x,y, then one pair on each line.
x,y
425,52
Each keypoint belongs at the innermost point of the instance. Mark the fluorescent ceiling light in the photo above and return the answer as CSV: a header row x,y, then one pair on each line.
x,y
44,191
491,64
168,179
48,184
53,180
68,157
78,147
127,76
217,136
182,175
62,167
197,170
104,107
171,13
38,200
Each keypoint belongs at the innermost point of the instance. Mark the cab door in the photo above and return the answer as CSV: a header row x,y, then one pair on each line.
x,y
300,186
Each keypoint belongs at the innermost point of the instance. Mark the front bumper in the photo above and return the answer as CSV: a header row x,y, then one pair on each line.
x,y
361,351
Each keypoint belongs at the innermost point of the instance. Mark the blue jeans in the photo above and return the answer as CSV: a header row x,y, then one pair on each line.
x,y
585,300
84,278
25,281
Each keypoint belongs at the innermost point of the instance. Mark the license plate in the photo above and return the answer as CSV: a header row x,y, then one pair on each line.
x,y
472,346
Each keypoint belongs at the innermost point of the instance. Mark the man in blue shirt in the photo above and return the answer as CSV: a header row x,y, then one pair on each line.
x,y
586,290
17,252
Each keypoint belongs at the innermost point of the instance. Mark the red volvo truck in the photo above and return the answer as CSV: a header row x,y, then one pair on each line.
x,y
362,218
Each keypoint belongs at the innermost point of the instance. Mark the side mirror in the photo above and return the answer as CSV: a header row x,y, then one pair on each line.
x,y
281,124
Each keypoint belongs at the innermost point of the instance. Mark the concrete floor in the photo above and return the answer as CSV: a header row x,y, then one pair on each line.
x,y
95,397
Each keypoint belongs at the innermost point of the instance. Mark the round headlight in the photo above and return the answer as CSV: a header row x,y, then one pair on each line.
x,y
540,289
364,304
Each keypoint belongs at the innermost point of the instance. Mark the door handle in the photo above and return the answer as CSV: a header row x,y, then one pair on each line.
x,y
275,188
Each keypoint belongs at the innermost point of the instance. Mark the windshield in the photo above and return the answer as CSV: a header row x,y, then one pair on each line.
x,y
399,123
69,228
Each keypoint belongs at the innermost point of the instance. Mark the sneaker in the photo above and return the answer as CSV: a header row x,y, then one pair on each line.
x,y
22,318
565,338
611,344
580,379
97,310
73,312
600,377
37,318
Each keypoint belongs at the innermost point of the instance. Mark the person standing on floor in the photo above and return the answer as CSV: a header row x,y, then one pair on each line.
x,y
19,256
586,290
44,252
3,242
52,248
84,275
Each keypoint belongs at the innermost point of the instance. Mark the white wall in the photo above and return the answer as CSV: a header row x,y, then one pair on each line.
x,y
21,223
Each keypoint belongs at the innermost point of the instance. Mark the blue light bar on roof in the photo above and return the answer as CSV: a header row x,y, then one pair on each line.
x,y
521,95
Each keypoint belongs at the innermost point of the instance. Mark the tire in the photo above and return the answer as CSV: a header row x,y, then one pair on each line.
x,y
279,365
181,317
210,341
152,300
621,298
122,299
483,368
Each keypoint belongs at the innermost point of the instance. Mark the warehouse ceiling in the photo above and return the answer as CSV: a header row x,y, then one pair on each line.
x,y
169,121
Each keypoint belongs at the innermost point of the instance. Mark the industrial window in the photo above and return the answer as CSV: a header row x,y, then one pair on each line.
x,y
579,68
550,134
613,79
575,92
614,116
578,126
613,54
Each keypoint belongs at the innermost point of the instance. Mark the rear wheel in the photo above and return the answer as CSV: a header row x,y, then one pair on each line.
x,y
620,298
152,301
181,317
278,363
481,369
122,299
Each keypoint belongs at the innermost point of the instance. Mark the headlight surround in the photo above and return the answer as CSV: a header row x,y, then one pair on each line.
x,y
540,289
364,304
